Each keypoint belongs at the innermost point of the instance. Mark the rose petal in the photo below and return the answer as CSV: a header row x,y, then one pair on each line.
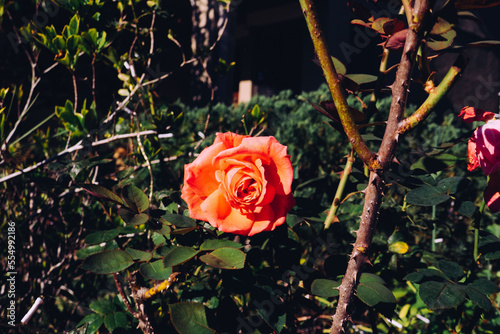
x,y
236,222
280,172
216,208
473,162
229,139
471,114
264,221
487,139
492,193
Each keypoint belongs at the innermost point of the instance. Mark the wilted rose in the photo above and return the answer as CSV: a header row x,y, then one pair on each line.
x,y
471,114
240,184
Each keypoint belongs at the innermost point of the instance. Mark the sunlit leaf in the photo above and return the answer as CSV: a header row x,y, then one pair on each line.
x,y
225,258
179,255
155,270
399,247
325,288
212,244
108,262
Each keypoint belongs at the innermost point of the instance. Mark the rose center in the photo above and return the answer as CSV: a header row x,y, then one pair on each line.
x,y
246,188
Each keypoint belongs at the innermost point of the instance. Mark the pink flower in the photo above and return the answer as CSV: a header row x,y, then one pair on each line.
x,y
487,147
492,192
471,114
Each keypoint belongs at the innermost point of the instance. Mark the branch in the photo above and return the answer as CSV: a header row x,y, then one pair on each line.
x,y
76,147
434,97
374,191
340,190
401,84
318,39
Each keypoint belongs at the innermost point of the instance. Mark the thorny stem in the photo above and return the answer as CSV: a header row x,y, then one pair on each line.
x,y
374,190
319,42
122,294
340,189
138,296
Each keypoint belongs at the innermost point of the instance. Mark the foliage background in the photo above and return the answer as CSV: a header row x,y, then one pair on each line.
x,y
275,291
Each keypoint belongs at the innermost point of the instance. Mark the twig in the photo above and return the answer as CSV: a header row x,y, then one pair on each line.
x,y
434,97
27,105
76,147
148,163
340,189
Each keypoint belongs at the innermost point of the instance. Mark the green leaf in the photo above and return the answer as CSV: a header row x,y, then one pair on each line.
x,y
440,42
93,321
179,220
59,43
339,66
369,277
225,258
135,198
212,244
102,193
101,236
399,247
72,44
155,270
422,274
132,218
108,262
467,208
115,320
94,249
426,196
189,318
158,239
179,255
451,269
74,25
435,163
138,255
325,288
485,286
102,306
441,295
371,290
452,185
68,117
362,78
478,298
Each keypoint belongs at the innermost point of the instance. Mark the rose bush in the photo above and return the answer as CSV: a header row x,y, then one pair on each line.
x,y
240,184
484,152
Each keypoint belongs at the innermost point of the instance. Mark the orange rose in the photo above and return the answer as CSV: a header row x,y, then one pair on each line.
x,y
240,184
